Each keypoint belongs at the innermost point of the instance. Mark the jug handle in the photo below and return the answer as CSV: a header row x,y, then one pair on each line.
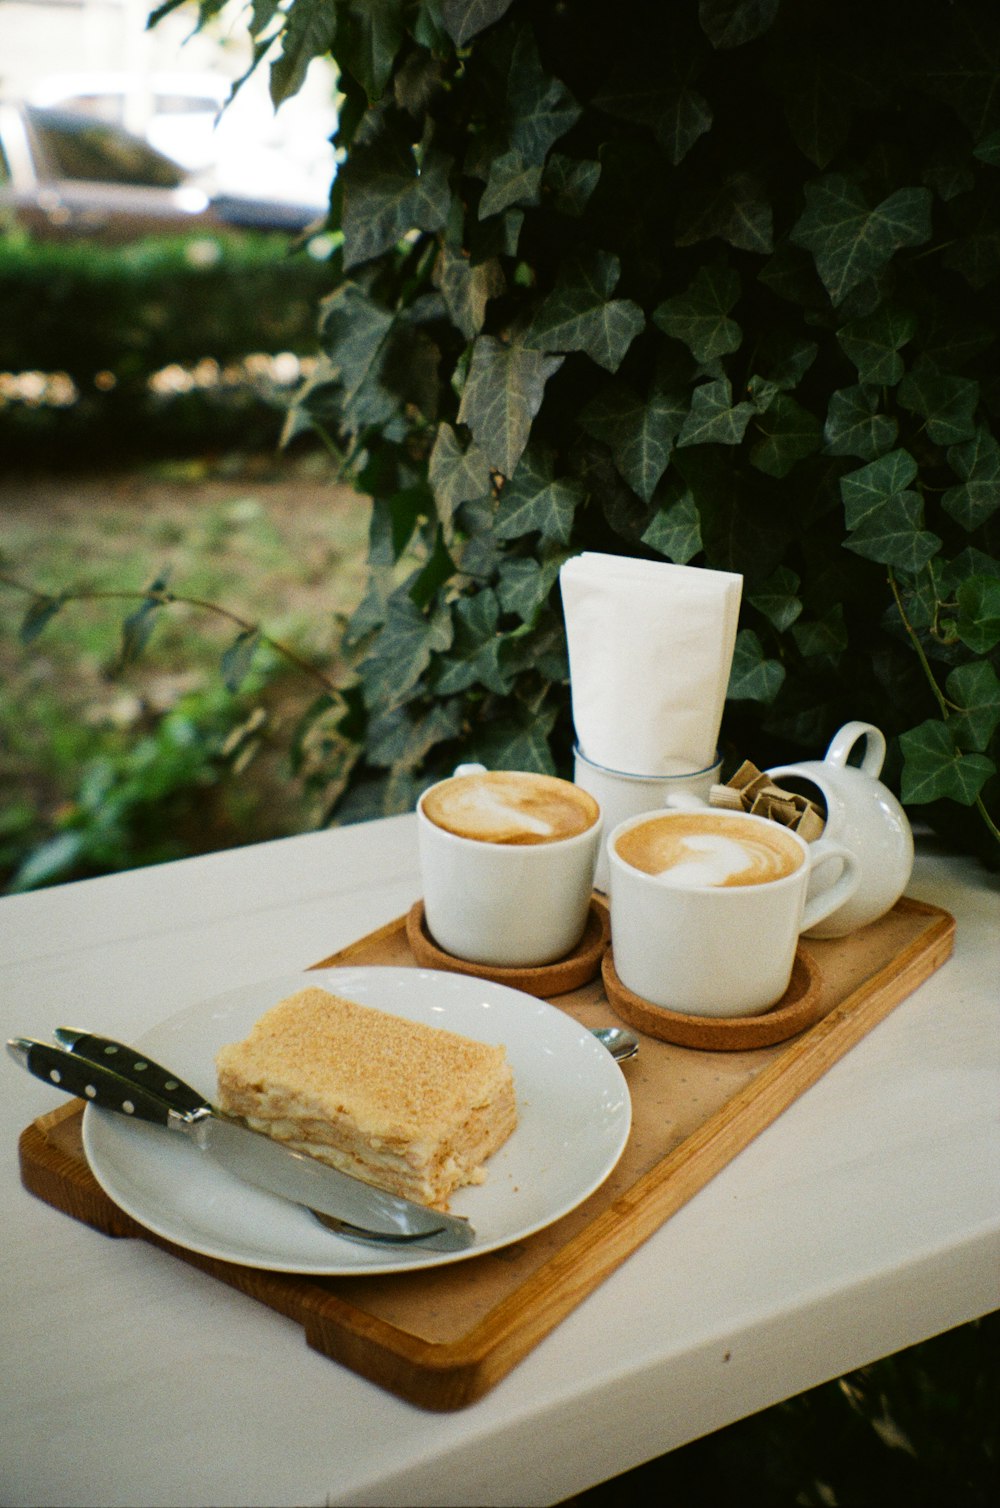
x,y
844,740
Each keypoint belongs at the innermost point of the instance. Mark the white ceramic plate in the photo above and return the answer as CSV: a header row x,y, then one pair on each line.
x,y
573,1106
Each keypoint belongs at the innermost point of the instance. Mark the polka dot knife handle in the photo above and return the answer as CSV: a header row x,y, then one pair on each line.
x,y
91,1081
131,1064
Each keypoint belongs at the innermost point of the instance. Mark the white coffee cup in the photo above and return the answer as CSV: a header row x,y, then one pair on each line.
x,y
512,904
622,795
691,944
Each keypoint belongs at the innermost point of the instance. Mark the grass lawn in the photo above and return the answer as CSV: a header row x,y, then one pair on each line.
x,y
282,546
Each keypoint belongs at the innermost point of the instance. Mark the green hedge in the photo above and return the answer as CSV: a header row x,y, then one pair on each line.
x,y
111,317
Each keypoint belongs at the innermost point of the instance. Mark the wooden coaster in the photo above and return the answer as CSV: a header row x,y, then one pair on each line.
x,y
797,1009
568,973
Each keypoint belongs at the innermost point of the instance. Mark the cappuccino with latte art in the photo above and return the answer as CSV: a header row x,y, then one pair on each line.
x,y
507,862
707,906
511,807
707,849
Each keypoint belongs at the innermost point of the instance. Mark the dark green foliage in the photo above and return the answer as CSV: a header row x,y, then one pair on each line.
x,y
714,281
111,317
162,796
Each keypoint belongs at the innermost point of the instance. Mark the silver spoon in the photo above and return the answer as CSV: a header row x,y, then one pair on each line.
x,y
621,1044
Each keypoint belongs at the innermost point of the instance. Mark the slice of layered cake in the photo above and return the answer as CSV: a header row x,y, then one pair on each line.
x,y
414,1109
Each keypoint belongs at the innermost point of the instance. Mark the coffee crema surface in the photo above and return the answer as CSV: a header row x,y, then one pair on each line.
x,y
510,807
705,849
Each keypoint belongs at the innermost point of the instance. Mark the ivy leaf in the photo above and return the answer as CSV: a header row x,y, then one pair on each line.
x,y
964,68
855,427
737,211
308,32
978,621
849,241
503,392
671,108
402,738
867,490
511,181
473,657
538,650
778,598
700,316
525,583
401,651
949,173
369,35
977,462
753,677
823,636
675,531
569,182
467,287
534,501
976,255
790,433
947,403
540,109
974,691
873,344
785,357
935,768
438,567
893,535
353,332
517,741
386,194
237,659
580,314
464,19
988,150
640,433
456,476
818,108
417,80
139,624
714,417
731,23
40,610
966,564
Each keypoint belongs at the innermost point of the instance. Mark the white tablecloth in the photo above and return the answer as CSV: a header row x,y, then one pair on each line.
x,y
864,1220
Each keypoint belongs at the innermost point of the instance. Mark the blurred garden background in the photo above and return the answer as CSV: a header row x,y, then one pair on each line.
x,y
175,585
147,352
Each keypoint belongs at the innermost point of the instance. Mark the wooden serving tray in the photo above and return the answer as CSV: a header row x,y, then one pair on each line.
x,y
443,1337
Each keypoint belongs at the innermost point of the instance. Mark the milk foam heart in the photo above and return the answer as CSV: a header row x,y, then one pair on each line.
x,y
707,849
510,807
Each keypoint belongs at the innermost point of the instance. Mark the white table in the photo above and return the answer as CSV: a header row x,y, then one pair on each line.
x,y
864,1220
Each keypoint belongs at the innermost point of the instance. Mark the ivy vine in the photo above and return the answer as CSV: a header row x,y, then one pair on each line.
x,y
715,281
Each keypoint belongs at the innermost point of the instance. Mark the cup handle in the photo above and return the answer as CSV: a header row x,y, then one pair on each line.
x,y
819,907
469,769
844,740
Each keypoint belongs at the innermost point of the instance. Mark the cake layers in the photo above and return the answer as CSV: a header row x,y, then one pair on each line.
x,y
414,1109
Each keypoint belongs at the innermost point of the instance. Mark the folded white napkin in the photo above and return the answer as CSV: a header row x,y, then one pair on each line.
x,y
650,651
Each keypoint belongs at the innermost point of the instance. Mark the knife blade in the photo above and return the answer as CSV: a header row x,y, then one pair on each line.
x,y
254,1157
